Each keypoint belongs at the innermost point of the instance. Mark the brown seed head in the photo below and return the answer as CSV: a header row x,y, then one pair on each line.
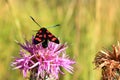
x,y
109,62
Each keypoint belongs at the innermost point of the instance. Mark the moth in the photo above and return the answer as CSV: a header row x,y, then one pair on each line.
x,y
43,36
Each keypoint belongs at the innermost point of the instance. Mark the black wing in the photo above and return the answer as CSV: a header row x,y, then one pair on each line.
x,y
39,37
51,37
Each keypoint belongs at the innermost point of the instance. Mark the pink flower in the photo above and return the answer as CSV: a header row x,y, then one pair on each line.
x,y
43,62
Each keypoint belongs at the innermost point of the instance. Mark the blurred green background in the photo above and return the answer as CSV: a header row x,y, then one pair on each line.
x,y
86,25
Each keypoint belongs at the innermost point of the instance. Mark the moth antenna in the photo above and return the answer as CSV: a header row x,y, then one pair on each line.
x,y
54,26
35,21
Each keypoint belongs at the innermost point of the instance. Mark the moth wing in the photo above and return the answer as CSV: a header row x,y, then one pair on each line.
x,y
51,37
38,38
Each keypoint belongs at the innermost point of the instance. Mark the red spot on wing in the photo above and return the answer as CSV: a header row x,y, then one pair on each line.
x,y
40,31
40,35
44,35
53,39
50,35
38,39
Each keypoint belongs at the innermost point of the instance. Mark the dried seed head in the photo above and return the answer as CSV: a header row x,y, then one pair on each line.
x,y
109,62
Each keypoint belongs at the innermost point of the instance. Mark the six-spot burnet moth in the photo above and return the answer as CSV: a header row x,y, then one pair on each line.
x,y
43,35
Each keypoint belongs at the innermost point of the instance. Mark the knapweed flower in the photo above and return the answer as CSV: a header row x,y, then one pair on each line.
x,y
109,62
43,63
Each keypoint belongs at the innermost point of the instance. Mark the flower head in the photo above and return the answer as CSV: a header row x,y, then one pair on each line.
x,y
43,62
109,62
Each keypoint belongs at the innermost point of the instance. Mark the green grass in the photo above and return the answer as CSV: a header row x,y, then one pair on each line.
x,y
86,25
